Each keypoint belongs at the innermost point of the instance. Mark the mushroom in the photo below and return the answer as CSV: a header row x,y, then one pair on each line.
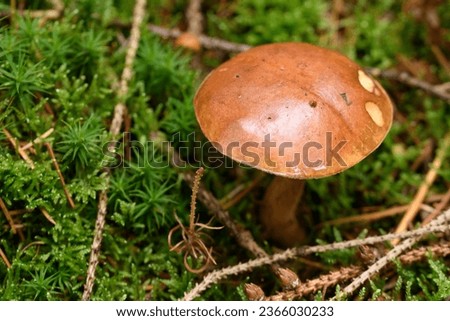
x,y
294,110
189,41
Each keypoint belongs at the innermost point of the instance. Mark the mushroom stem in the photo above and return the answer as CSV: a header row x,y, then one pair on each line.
x,y
278,212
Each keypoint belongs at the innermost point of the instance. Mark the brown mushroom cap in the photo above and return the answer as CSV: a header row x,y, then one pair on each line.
x,y
293,109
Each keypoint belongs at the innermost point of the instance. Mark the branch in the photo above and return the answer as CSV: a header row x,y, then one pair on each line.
x,y
61,177
194,17
8,216
441,91
50,14
119,111
5,258
349,272
207,42
292,253
424,187
392,254
16,146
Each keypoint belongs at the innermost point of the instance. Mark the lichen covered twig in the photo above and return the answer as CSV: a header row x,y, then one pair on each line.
x,y
119,111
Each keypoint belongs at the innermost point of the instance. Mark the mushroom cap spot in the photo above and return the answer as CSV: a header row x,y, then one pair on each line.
x,y
264,118
375,113
365,81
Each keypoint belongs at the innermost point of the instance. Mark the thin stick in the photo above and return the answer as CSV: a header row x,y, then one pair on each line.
x,y
50,14
5,258
376,267
438,209
127,136
38,139
47,216
61,177
441,58
207,42
425,154
324,281
47,107
116,124
349,272
26,247
96,244
133,44
16,146
292,253
441,91
19,212
424,187
416,255
194,17
8,216
12,8
367,217
392,254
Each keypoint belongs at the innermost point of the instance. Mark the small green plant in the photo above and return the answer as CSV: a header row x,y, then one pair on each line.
x,y
81,145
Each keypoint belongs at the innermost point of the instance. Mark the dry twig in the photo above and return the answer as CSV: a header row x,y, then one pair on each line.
x,y
438,209
47,215
194,17
95,248
8,216
441,221
215,276
38,139
440,56
5,258
16,146
396,210
50,14
419,254
207,42
22,152
367,217
116,124
26,247
374,216
19,212
424,187
61,177
324,281
347,273
441,91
